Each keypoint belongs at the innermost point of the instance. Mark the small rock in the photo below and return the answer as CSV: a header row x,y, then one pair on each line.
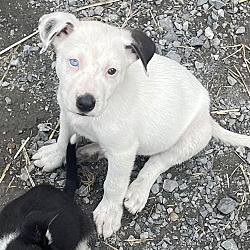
x,y
4,84
43,127
226,205
241,30
99,10
7,100
195,41
174,56
216,41
229,244
231,80
221,12
198,65
201,2
243,226
209,33
144,235
174,216
178,26
185,26
217,4
170,185
155,188
14,62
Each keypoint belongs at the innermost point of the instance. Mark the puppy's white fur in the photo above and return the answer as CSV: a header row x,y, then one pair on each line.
x,y
5,241
164,115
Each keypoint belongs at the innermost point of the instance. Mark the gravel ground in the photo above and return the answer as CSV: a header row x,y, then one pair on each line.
x,y
201,204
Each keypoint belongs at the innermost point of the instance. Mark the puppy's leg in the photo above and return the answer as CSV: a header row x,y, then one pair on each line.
x,y
192,141
52,156
89,152
109,212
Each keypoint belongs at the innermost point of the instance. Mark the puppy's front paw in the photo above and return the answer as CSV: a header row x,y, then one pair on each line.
x,y
49,157
136,197
107,217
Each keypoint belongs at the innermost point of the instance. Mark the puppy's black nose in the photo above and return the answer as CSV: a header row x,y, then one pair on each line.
x,y
85,103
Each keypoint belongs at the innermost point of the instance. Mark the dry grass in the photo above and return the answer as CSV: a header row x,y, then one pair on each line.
x,y
242,49
7,167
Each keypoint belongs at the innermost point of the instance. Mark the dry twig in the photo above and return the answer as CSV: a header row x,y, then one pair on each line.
x,y
246,177
94,5
110,246
27,164
6,169
54,130
224,111
139,241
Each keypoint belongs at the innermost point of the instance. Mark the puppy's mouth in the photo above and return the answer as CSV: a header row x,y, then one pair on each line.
x,y
81,114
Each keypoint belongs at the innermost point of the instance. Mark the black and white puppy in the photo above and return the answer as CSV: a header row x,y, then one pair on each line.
x,y
45,218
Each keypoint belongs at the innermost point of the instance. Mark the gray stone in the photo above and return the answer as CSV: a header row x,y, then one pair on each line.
x,y
201,2
195,41
217,4
198,65
155,188
243,226
209,33
172,54
170,185
229,244
7,100
185,26
241,30
226,205
166,24
99,10
231,80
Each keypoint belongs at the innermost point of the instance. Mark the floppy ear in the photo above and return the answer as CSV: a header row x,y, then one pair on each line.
x,y
142,46
35,228
55,27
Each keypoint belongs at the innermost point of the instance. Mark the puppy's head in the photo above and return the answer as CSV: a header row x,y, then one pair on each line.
x,y
92,59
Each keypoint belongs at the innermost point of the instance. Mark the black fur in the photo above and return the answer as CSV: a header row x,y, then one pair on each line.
x,y
143,46
46,207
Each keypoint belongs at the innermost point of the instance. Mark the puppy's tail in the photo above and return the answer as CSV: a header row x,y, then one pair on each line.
x,y
229,137
71,169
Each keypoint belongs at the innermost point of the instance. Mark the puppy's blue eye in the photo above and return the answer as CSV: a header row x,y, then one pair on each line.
x,y
74,62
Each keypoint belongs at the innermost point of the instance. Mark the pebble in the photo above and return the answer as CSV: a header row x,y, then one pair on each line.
x,y
226,205
195,41
174,216
231,80
8,100
243,226
217,3
170,185
174,56
241,30
209,33
155,188
198,65
42,127
201,2
229,244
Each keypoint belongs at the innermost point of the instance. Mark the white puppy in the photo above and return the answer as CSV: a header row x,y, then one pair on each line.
x,y
105,95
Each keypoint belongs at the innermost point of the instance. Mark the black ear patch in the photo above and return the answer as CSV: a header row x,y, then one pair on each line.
x,y
143,46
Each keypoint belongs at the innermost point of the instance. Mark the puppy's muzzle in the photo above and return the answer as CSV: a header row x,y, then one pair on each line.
x,y
85,103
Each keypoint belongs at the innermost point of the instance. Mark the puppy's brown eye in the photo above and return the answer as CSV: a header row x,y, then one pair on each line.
x,y
111,71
